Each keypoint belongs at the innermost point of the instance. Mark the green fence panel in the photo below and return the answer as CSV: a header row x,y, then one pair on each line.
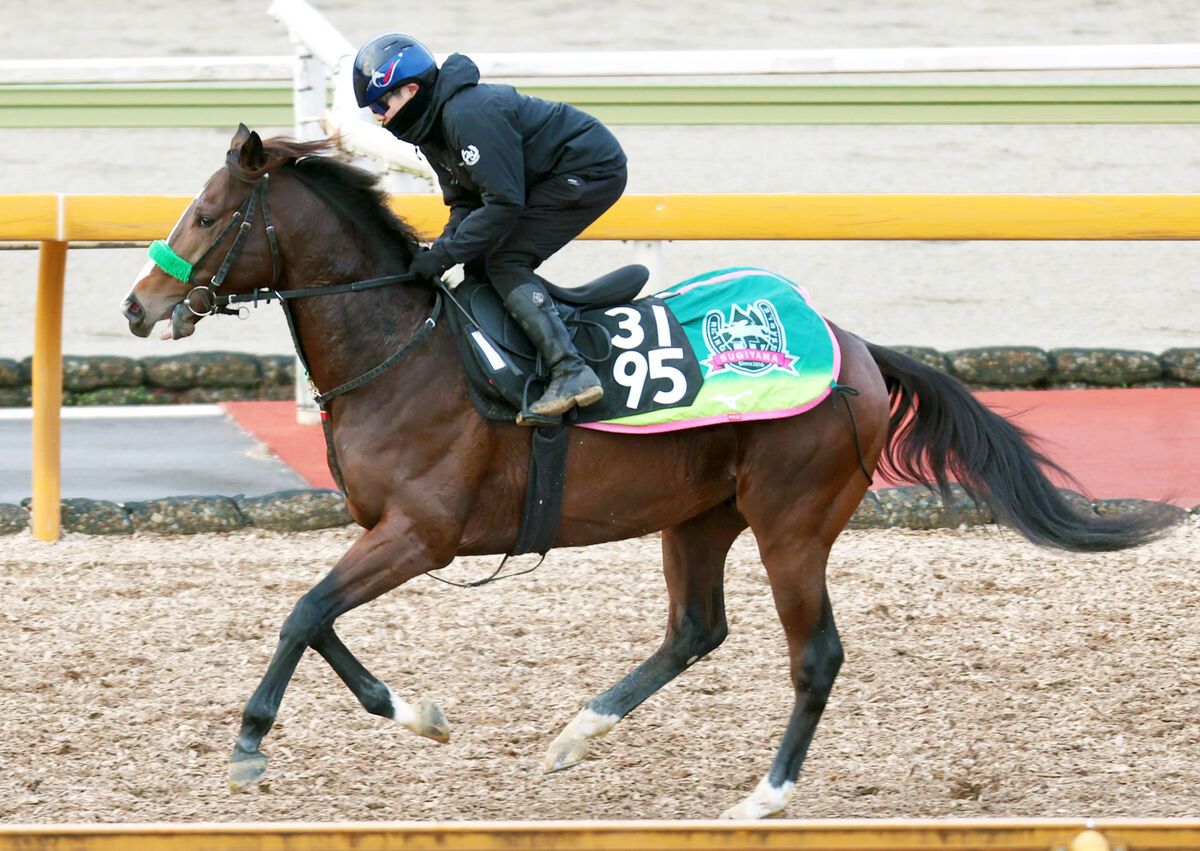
x,y
270,104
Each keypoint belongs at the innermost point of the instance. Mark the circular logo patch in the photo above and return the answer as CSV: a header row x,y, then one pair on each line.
x,y
470,155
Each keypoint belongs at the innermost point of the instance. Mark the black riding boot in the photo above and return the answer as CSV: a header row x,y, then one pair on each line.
x,y
572,381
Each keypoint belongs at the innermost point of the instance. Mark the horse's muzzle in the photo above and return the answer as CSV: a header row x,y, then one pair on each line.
x,y
142,321
135,314
183,321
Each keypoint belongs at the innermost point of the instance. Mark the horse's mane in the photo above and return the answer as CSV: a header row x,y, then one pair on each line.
x,y
354,193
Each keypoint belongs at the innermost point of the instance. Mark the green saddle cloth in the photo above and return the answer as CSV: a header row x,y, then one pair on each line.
x,y
764,352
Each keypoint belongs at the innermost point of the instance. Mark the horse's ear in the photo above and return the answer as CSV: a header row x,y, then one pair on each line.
x,y
239,137
250,152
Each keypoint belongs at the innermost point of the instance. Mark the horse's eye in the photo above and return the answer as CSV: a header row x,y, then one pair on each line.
x,y
205,221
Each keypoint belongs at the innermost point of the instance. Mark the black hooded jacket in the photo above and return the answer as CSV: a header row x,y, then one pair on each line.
x,y
489,145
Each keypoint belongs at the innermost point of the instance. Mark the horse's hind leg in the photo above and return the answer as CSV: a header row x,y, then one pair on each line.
x,y
694,565
816,656
795,531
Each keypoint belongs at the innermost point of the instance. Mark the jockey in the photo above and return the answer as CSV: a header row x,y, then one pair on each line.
x,y
522,177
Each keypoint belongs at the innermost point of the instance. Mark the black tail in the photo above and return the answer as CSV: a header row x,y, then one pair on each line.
x,y
939,431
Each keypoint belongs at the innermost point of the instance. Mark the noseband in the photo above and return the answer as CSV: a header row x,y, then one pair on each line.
x,y
181,270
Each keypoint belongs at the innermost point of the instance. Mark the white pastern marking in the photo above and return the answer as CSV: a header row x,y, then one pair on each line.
x,y
590,725
402,713
765,800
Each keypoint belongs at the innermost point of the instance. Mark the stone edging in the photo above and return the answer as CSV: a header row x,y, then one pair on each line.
x,y
233,376
908,507
202,377
1027,367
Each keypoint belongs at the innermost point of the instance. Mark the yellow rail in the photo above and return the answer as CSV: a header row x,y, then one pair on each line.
x,y
57,220
29,217
831,835
141,218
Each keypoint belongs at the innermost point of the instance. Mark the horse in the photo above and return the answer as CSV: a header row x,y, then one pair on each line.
x,y
428,479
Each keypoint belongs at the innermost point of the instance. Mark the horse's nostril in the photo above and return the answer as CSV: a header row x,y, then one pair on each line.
x,y
132,309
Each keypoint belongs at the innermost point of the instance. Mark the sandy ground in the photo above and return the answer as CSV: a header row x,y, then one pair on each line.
x,y
983,678
946,295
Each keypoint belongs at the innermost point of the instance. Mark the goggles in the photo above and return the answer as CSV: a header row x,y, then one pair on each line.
x,y
379,107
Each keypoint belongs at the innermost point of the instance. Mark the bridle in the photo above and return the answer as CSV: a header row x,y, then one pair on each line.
x,y
206,293
243,219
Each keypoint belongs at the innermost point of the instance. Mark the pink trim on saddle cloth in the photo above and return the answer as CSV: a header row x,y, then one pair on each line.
x,y
733,276
720,419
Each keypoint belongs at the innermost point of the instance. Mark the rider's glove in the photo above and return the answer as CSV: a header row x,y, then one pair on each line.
x,y
427,265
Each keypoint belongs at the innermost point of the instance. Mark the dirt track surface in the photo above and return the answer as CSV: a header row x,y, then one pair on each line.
x,y
984,677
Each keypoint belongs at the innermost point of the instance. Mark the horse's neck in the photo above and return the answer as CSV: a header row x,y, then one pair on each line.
x,y
342,336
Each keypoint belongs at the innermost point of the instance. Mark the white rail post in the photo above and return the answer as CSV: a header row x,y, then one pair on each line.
x,y
309,86
648,252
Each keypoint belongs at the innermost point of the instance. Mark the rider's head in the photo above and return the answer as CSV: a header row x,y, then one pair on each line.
x,y
387,63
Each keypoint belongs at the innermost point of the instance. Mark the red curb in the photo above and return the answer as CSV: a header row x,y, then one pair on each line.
x,y
301,447
1137,443
1140,443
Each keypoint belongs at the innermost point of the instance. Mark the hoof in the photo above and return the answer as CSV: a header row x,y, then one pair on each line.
x,y
571,746
565,752
246,769
425,718
766,801
429,721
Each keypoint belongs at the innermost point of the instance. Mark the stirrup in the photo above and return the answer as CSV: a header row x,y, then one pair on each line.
x,y
529,418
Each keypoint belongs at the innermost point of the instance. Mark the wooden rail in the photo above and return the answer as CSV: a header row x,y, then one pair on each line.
x,y
142,218
830,835
55,221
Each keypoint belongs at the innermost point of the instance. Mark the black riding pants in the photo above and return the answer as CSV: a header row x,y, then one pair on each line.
x,y
556,211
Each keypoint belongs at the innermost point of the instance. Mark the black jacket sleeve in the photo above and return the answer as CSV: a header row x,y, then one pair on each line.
x,y
491,152
460,202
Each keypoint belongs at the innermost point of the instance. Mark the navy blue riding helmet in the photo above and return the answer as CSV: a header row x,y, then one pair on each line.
x,y
387,62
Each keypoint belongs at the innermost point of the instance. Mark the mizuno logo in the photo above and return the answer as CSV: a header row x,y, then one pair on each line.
x,y
383,79
729,401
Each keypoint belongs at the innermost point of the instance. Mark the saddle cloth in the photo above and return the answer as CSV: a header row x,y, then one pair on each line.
x,y
726,346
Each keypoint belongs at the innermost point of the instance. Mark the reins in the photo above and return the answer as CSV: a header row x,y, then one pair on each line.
x,y
423,331
213,304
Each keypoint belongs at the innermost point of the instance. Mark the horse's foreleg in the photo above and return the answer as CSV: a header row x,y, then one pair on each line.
x,y
693,563
425,718
379,560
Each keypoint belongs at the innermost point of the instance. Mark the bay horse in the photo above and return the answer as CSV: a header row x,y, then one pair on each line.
x,y
429,479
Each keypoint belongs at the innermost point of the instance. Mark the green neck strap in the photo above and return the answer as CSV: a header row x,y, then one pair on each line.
x,y
170,262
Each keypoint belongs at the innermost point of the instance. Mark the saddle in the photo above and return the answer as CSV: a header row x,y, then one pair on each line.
x,y
726,346
503,371
503,374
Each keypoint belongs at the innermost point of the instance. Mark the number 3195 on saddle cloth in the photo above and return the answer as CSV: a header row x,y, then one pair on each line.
x,y
761,349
